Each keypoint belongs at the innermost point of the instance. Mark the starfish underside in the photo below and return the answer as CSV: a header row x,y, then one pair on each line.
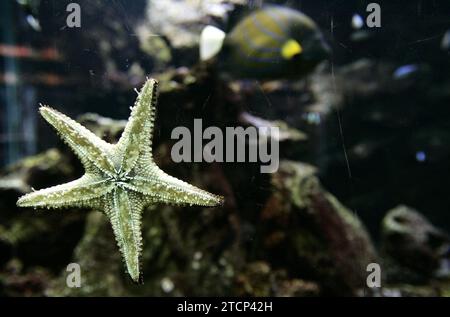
x,y
120,179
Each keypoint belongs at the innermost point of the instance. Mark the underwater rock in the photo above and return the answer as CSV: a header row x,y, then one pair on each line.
x,y
364,78
259,279
255,280
285,131
327,242
182,31
99,260
156,47
297,288
32,172
40,243
11,187
412,247
108,129
36,171
15,280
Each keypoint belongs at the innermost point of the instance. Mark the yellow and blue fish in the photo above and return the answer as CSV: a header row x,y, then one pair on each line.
x,y
271,43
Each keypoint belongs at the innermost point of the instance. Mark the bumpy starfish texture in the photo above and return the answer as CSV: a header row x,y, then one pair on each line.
x,y
120,179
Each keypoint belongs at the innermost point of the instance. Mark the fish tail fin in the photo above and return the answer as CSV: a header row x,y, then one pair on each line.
x,y
211,42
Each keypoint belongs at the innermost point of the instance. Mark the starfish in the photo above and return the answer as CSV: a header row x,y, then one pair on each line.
x,y
120,179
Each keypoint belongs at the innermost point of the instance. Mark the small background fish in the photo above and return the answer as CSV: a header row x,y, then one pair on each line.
x,y
273,42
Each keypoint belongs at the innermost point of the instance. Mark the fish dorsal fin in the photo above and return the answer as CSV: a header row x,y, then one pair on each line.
x,y
211,42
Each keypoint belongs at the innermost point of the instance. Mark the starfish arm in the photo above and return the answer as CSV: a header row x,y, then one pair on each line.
x,y
137,136
87,146
78,193
124,210
164,188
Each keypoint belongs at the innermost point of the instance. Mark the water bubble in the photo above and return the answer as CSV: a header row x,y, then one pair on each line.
x,y
421,156
195,265
198,255
167,285
445,42
405,71
357,21
312,118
